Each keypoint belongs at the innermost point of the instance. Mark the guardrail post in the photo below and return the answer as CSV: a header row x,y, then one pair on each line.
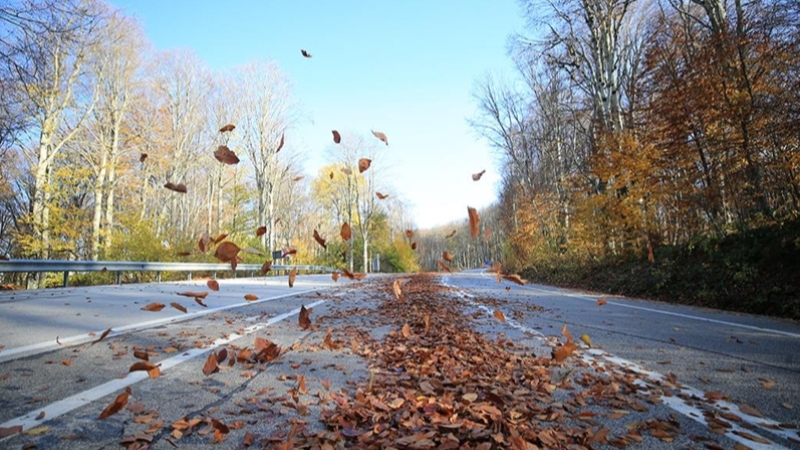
x,y
66,278
158,277
190,276
234,274
215,275
119,277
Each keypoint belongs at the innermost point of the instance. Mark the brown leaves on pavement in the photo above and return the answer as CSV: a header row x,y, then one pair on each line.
x,y
474,222
381,136
499,315
179,307
225,155
176,187
211,364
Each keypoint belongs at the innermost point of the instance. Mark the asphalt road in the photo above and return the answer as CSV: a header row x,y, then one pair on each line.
x,y
54,382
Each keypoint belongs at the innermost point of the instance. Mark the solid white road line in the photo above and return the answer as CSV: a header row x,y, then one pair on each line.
x,y
29,350
71,403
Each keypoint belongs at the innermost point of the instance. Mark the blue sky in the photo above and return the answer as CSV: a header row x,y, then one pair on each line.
x,y
407,68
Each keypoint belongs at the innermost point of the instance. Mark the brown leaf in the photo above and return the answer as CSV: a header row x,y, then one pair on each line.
x,y
750,411
487,233
178,306
447,257
200,302
398,293
142,157
319,240
248,440
288,251
194,294
220,237
305,53
304,319
301,384
381,136
566,333
347,274
477,176
266,267
601,301
115,406
203,242
514,278
141,355
474,222
10,431
427,321
211,364
335,276
228,127
153,307
443,266
363,164
176,187
41,415
337,138
406,331
298,177
451,234
262,230
330,175
280,144
409,234
499,315
222,356
153,371
225,155
328,343
102,336
381,196
346,233
292,276
213,285
562,352
250,297
413,246
226,251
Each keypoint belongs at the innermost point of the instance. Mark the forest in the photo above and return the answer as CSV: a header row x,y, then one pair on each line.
x,y
647,147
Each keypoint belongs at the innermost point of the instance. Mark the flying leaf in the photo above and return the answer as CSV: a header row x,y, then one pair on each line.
x,y
413,246
586,339
335,276
153,371
477,176
262,230
319,239
487,233
451,234
330,175
447,257
514,278
305,53
381,136
266,267
381,196
288,251
346,233
292,276
363,164
409,234
228,127
194,294
346,171
298,178
203,242
115,406
142,157
211,364
225,155
304,319
213,285
178,306
398,293
220,237
443,266
566,333
601,301
347,274
280,144
102,336
199,301
562,352
406,331
250,297
176,187
153,307
499,315
140,354
474,222
226,251
337,138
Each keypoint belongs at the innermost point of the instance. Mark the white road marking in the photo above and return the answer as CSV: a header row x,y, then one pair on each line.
x,y
73,402
668,313
33,349
676,402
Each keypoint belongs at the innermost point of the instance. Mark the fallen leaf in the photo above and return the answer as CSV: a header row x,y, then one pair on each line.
x,y
225,155
292,276
141,355
153,307
363,164
447,257
226,251
346,233
328,342
406,331
262,230
474,222
102,336
211,365
499,315
228,127
381,136
477,176
427,321
37,431
787,405
767,383
337,138
115,406
213,285
66,362
41,415
179,307
305,53
750,411
10,431
250,297
381,196
176,187
562,352
304,318
266,267
601,301
319,239
142,157
248,439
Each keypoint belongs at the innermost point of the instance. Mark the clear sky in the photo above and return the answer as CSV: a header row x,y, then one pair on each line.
x,y
404,67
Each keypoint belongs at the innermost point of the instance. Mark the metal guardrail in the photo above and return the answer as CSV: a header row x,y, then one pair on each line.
x,y
37,266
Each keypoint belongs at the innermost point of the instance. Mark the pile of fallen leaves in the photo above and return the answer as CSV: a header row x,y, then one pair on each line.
x,y
438,383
